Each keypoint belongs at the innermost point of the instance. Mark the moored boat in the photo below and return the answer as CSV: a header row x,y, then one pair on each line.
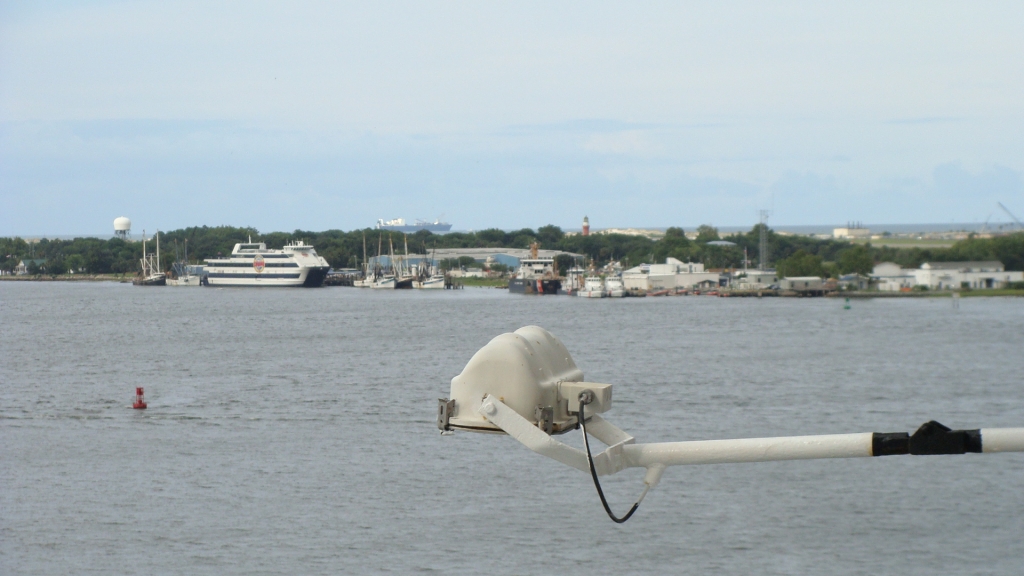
x,y
535,275
613,287
253,264
593,287
151,274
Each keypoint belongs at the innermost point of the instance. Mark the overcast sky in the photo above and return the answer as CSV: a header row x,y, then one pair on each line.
x,y
307,115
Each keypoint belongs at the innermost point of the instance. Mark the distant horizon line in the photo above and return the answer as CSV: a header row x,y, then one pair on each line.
x,y
804,228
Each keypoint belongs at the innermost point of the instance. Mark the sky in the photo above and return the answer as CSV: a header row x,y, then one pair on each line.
x,y
330,115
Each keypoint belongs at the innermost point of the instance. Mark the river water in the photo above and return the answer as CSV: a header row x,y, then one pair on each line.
x,y
292,431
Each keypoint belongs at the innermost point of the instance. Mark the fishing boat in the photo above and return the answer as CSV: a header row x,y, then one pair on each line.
x,y
367,280
428,277
185,274
151,274
395,276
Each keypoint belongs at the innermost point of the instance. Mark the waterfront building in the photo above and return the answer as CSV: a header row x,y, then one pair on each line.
x,y
510,257
668,276
977,275
980,275
854,282
891,277
807,284
22,268
756,279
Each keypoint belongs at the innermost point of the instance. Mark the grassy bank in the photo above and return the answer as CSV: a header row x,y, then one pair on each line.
x,y
994,292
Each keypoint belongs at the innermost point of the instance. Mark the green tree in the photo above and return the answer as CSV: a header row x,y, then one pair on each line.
x,y
673,244
856,260
563,262
707,233
550,235
801,264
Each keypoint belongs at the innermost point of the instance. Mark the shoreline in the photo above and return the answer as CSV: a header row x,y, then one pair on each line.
x,y
494,283
68,278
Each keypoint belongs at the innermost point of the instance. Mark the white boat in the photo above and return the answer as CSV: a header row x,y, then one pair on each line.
x,y
385,282
184,272
188,280
614,287
593,287
434,282
253,264
151,272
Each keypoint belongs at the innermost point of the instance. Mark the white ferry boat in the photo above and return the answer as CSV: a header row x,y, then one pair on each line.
x,y
253,264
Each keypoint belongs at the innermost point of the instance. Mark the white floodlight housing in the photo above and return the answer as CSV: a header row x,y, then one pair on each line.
x,y
531,372
526,384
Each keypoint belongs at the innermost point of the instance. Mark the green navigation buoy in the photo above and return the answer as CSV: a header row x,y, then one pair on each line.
x,y
847,305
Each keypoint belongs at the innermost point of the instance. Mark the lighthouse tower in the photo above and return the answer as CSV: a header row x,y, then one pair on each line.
x,y
586,226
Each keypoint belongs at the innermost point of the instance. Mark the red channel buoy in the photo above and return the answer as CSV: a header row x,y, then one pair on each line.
x,y
140,400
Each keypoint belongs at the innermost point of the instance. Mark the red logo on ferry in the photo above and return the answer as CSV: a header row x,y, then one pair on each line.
x,y
258,263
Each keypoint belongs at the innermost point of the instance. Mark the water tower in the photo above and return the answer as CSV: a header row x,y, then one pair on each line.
x,y
122,227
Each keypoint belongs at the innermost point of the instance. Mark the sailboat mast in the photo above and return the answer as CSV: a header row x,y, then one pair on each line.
x,y
391,255
158,269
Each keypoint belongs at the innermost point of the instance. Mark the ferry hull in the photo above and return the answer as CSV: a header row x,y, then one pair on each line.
x,y
538,286
312,277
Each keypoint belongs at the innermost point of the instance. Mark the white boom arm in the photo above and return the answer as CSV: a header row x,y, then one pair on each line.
x,y
622,452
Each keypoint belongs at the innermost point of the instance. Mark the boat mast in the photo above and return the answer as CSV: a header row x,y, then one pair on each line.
x,y
158,251
366,263
391,256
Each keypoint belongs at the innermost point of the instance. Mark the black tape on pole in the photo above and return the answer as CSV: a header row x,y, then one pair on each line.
x,y
890,443
933,438
930,439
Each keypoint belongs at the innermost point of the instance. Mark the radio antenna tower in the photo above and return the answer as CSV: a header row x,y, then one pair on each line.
x,y
762,262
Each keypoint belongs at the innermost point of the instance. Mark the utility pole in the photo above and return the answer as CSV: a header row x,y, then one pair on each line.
x,y
762,263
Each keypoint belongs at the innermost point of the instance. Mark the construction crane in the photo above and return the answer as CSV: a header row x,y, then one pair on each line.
x,y
1015,219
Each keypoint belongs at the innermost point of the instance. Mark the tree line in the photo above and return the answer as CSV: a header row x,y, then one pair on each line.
x,y
791,255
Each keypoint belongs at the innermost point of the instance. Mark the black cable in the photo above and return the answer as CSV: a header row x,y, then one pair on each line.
x,y
593,472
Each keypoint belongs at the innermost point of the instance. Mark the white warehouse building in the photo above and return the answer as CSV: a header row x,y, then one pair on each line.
x,y
670,275
987,274
945,275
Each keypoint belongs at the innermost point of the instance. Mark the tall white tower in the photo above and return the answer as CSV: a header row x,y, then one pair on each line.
x,y
122,227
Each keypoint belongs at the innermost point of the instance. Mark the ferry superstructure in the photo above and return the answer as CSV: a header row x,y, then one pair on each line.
x,y
253,264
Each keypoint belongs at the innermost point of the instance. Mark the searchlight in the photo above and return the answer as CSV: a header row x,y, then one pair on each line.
x,y
526,384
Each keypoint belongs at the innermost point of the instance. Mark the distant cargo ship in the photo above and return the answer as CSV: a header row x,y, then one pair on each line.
x,y
399,225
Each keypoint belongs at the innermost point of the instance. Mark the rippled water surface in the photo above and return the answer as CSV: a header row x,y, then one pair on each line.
x,y
292,431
